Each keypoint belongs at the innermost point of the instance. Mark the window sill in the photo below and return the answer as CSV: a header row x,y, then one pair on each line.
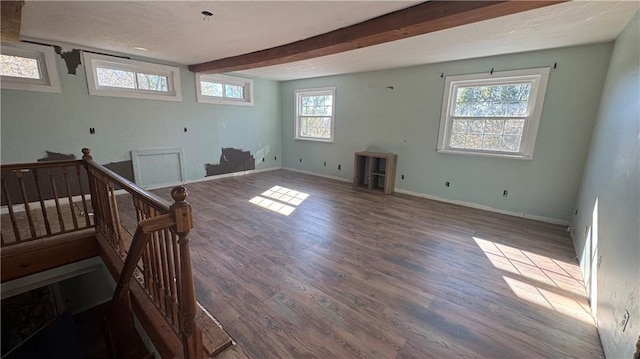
x,y
516,156
314,139
219,101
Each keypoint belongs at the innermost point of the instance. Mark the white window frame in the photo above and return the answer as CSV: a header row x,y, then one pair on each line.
x,y
47,66
318,91
538,79
93,61
247,84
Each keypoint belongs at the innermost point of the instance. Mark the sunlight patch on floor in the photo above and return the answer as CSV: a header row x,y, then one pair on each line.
x,y
548,272
550,300
280,199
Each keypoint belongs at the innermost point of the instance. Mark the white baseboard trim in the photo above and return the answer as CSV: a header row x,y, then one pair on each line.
x,y
484,207
342,179
445,200
208,178
51,203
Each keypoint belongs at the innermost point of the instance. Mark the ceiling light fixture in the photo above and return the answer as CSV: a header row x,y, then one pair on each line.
x,y
206,14
141,48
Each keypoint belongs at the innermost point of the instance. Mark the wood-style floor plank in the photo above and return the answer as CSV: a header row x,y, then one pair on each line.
x,y
343,273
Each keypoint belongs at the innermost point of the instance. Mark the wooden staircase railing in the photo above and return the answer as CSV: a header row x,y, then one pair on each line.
x,y
158,256
144,243
58,190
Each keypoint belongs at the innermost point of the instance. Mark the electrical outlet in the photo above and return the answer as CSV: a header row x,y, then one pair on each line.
x,y
447,184
505,193
625,320
402,177
339,167
301,160
325,164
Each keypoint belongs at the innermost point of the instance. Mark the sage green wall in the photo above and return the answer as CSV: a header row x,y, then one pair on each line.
x,y
612,181
405,120
35,122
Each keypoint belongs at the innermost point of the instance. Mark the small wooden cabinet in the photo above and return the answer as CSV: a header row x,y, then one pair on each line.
x,y
375,171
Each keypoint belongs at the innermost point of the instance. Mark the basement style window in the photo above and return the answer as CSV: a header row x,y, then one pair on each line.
x,y
29,67
492,114
315,114
117,77
224,90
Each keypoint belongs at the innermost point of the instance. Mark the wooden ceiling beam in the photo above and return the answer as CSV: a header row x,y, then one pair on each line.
x,y
416,20
10,19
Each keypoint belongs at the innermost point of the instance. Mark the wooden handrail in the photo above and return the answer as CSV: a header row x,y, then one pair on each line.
x,y
120,321
46,164
149,198
121,331
159,252
155,262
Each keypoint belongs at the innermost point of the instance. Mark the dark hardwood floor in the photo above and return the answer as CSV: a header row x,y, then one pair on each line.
x,y
333,272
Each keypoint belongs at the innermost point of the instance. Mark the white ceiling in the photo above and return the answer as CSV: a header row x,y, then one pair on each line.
x,y
175,31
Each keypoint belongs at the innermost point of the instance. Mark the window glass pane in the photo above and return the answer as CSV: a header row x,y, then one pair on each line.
x,y
319,127
491,142
487,135
476,126
513,127
493,127
459,126
116,78
211,88
17,66
510,143
153,82
473,142
492,100
457,140
233,91
317,105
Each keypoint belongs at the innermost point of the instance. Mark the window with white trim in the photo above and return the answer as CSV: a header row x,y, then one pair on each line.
x,y
492,114
315,114
117,77
224,90
29,67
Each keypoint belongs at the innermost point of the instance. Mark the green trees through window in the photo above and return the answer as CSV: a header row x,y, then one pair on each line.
x,y
131,80
490,117
492,114
315,114
17,66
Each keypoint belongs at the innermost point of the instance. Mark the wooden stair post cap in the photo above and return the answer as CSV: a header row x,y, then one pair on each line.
x,y
179,194
86,154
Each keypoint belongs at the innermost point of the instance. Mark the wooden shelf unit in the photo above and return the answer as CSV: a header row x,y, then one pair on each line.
x,y
375,171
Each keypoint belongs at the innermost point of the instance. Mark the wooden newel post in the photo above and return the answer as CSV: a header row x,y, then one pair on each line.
x,y
191,334
86,154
